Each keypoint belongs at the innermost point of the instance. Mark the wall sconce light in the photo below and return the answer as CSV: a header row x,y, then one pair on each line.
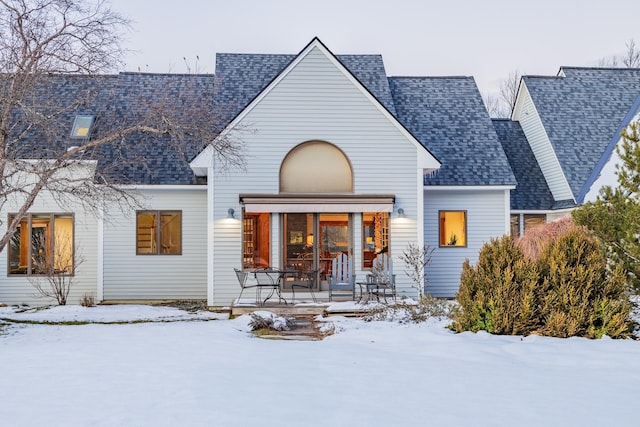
x,y
401,213
231,213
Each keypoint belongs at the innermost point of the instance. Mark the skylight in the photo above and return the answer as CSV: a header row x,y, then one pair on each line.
x,y
82,126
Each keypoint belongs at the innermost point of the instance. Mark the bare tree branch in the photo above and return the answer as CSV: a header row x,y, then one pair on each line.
x,y
52,54
501,105
629,59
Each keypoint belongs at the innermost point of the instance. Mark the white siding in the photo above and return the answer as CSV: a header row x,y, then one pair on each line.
x,y
128,276
529,118
315,101
607,177
18,290
486,216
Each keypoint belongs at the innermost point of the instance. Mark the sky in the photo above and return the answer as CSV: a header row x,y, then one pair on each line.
x,y
380,373
486,39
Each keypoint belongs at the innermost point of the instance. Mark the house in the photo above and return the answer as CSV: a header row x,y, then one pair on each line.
x,y
338,158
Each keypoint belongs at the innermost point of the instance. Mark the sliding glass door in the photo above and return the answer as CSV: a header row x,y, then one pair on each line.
x,y
311,241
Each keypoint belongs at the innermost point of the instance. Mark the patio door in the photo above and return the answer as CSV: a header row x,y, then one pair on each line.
x,y
312,240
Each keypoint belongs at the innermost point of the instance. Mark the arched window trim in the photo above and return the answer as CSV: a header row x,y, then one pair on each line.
x,y
348,189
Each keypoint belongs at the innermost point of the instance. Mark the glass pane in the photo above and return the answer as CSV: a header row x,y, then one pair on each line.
x,y
146,233
19,249
63,245
171,233
334,239
453,228
533,220
82,127
256,242
515,226
375,234
40,244
298,242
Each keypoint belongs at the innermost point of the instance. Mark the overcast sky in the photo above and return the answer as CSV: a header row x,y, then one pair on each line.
x,y
486,39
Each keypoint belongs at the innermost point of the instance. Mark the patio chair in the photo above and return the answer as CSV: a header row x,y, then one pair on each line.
x,y
382,275
342,276
308,282
242,281
268,278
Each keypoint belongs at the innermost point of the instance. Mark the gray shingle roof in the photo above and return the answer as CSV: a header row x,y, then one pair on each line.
x,y
581,113
117,101
532,191
448,116
241,77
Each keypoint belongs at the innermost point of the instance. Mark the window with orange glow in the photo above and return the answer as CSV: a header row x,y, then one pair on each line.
x,y
453,228
42,244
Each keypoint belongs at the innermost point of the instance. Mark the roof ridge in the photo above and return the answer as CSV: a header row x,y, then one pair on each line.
x,y
570,67
430,77
138,73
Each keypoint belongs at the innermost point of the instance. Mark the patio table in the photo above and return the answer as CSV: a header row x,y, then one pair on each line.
x,y
269,278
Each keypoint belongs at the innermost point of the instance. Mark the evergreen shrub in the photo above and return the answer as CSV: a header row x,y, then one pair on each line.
x,y
568,289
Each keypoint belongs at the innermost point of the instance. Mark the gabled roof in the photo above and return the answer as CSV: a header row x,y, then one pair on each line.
x,y
633,114
242,77
117,101
532,191
369,68
581,110
448,116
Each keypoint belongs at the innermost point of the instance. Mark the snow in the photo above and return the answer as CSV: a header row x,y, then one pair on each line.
x,y
172,371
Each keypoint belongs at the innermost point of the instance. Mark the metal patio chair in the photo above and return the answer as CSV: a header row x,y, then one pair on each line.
x,y
308,282
242,281
382,275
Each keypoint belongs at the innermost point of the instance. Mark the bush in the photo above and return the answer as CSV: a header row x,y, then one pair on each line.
x,y
88,300
569,290
410,311
579,294
264,320
498,293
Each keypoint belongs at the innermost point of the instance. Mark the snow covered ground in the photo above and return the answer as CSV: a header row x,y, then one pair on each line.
x,y
176,372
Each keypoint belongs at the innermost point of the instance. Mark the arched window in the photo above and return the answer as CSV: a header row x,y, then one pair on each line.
x,y
316,167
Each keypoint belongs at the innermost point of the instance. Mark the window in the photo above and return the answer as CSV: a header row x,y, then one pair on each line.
x,y
515,225
82,126
256,240
375,236
159,233
527,221
453,228
42,244
304,169
533,220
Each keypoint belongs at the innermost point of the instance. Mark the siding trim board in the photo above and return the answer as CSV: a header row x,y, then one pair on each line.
x,y
533,127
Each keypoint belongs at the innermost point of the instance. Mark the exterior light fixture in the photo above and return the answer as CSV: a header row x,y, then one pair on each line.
x,y
231,213
401,213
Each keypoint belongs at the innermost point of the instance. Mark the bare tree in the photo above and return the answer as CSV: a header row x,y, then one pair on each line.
x,y
54,267
416,259
44,42
495,106
629,59
501,105
509,89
